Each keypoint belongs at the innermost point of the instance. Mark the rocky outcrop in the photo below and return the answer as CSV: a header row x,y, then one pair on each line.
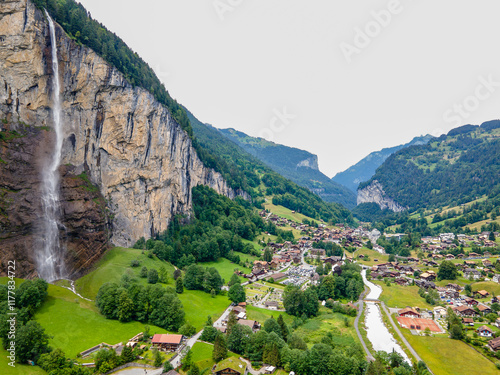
x,y
311,162
375,193
126,142
84,223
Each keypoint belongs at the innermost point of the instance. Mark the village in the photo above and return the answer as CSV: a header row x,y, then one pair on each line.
x,y
296,263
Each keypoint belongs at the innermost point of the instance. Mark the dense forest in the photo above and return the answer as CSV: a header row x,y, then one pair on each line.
x,y
216,230
450,170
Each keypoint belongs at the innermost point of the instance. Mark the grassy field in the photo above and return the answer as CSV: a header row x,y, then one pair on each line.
x,y
202,356
401,296
5,369
261,315
226,268
75,327
445,356
314,329
285,212
113,265
381,258
198,305
490,286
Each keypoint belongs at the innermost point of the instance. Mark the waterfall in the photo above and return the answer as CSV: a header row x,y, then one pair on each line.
x,y
50,257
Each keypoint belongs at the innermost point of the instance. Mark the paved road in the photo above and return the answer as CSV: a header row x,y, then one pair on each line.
x,y
176,362
403,339
361,306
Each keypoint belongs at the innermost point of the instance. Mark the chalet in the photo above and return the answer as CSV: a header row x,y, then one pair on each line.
x,y
494,344
333,260
254,325
230,366
450,256
481,294
484,331
427,276
468,321
465,311
470,301
471,273
483,309
409,312
258,272
425,284
487,263
258,264
167,341
456,287
439,312
401,281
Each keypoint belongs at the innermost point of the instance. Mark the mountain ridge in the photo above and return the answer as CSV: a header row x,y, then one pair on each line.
x,y
366,167
298,165
452,169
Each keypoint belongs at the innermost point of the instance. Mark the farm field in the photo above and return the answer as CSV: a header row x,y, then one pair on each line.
x,y
198,305
445,356
373,254
261,315
226,268
490,286
113,265
314,329
401,296
75,327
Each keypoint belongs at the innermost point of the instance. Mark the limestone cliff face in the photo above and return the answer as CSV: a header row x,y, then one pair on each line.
x,y
311,162
375,193
128,144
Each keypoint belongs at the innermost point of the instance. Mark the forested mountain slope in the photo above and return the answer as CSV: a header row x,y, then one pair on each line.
x,y
450,170
259,179
366,167
298,165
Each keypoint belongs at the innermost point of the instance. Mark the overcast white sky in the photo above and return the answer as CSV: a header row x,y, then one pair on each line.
x,y
281,69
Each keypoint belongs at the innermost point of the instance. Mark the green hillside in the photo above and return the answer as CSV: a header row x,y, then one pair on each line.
x,y
262,181
297,165
366,167
450,170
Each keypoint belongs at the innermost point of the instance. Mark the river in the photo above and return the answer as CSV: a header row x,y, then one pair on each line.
x,y
377,332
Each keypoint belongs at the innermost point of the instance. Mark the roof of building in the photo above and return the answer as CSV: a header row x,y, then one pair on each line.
x,y
484,328
408,310
163,338
232,363
248,323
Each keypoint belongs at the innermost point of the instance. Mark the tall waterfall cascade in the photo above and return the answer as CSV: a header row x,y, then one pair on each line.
x,y
50,259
